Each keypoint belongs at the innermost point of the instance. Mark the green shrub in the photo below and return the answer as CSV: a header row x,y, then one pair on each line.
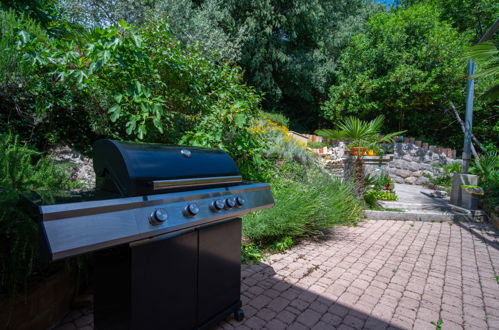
x,y
127,83
487,168
444,174
251,253
372,196
276,117
303,208
380,181
22,170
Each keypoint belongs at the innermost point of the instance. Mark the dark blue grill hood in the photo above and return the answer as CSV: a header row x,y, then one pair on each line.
x,y
133,169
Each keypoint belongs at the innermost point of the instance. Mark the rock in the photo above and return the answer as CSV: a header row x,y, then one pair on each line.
x,y
417,173
397,163
410,180
403,173
407,158
430,173
440,193
422,180
397,179
424,167
81,167
413,166
392,170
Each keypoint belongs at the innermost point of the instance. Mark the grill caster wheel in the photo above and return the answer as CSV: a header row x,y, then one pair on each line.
x,y
239,315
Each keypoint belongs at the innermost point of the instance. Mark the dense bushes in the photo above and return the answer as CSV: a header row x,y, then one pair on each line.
x,y
303,207
142,84
131,83
22,170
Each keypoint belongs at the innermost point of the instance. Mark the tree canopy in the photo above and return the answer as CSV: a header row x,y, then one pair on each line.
x,y
407,65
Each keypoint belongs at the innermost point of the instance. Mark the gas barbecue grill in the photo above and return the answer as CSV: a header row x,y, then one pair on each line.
x,y
166,230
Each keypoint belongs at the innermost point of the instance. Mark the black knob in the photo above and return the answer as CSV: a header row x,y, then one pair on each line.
x,y
240,201
191,210
218,205
158,216
230,202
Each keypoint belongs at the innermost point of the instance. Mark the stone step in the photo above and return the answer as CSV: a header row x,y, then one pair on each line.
x,y
416,215
443,206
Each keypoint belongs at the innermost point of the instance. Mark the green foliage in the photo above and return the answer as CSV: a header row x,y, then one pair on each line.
x,y
126,83
303,208
487,56
380,181
22,170
438,324
194,25
474,16
372,196
407,65
316,145
283,244
360,133
444,174
43,11
276,117
251,253
291,48
487,168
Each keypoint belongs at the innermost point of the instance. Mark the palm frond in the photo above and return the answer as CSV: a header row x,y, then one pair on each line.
x,y
492,93
482,52
330,134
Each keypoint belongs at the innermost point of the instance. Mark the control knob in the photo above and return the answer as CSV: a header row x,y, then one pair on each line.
x,y
218,205
240,201
158,216
191,210
230,202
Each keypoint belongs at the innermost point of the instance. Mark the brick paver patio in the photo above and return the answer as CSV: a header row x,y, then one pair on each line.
x,y
380,274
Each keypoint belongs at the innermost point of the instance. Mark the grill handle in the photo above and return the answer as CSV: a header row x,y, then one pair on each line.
x,y
195,182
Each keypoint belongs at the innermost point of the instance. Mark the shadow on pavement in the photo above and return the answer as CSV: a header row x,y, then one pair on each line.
x,y
273,303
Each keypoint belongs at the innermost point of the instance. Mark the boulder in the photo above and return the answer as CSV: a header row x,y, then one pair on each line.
x,y
397,179
403,173
413,166
410,180
421,180
407,158
417,174
80,167
397,163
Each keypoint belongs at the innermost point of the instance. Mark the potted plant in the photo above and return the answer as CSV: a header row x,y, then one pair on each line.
x,y
470,196
362,136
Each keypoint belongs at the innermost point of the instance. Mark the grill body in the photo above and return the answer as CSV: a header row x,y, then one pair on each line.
x,y
196,284
165,230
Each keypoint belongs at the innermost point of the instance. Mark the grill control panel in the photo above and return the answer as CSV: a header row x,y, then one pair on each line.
x,y
93,225
192,210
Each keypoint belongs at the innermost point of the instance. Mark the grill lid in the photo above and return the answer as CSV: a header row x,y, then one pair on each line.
x,y
133,169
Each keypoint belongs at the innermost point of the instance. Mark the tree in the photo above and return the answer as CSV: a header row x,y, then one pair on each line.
x,y
407,65
360,134
292,48
199,25
464,15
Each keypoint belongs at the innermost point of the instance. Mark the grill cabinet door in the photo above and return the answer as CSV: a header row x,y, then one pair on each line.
x,y
163,292
219,281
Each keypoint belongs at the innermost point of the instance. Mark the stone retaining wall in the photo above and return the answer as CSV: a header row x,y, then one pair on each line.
x,y
410,163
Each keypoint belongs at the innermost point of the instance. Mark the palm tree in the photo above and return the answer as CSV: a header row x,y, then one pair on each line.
x,y
486,54
360,134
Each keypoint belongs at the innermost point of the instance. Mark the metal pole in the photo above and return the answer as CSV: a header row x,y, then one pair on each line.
x,y
468,124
